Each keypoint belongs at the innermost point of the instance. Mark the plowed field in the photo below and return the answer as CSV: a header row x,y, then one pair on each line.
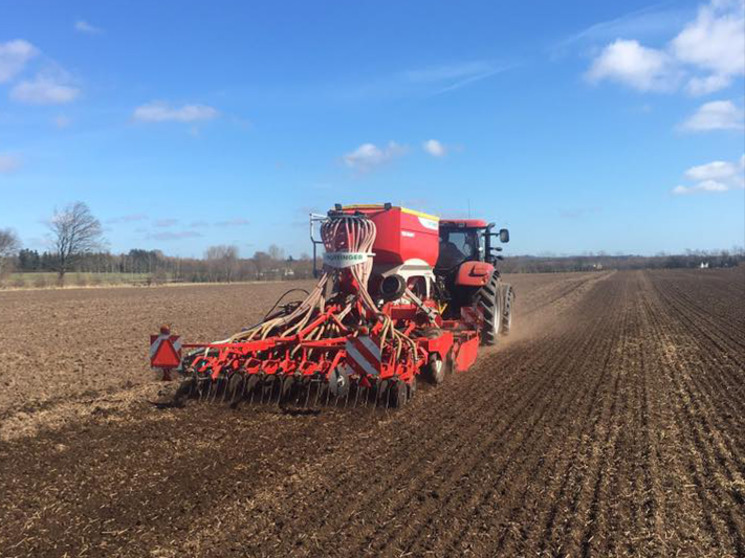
x,y
611,423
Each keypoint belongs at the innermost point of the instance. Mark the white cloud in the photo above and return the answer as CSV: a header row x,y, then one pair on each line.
x,y
630,63
698,86
717,176
159,111
715,170
706,186
83,26
715,115
13,57
709,52
9,163
369,156
434,148
715,43
48,88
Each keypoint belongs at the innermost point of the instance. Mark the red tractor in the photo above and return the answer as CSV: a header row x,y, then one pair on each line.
x,y
467,275
401,294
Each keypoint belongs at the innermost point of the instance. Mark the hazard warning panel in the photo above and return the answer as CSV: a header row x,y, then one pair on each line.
x,y
363,355
165,351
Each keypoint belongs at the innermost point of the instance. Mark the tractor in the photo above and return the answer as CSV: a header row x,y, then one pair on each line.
x,y
467,275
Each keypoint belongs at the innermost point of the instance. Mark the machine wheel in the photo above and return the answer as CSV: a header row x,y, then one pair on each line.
x,y
436,368
489,301
508,296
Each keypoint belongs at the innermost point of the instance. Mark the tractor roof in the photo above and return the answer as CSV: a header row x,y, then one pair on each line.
x,y
464,223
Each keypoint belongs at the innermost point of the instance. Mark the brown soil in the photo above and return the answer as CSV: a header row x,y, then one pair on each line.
x,y
611,423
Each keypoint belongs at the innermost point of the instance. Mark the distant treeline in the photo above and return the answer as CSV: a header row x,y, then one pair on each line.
x,y
590,262
220,264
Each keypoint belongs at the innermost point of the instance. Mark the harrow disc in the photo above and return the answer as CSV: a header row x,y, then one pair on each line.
x,y
339,383
399,394
236,386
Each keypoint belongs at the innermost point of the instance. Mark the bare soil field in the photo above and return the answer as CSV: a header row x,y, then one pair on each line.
x,y
611,423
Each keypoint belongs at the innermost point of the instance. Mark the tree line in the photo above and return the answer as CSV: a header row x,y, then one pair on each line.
x,y
596,262
77,245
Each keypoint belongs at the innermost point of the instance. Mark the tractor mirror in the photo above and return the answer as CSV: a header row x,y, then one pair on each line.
x,y
504,235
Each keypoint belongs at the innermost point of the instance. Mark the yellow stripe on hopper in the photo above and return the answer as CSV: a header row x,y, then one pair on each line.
x,y
381,206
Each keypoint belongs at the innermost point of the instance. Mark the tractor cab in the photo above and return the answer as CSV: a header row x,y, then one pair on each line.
x,y
467,240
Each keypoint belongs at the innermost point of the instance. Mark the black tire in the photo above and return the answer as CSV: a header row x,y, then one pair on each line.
x,y
489,301
508,297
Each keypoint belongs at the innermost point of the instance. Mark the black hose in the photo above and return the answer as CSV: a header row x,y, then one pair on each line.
x,y
280,300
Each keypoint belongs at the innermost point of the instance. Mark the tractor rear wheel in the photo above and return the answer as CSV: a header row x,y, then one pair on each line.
x,y
489,301
508,297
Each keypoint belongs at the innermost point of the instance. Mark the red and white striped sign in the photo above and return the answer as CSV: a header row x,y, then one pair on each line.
x,y
363,355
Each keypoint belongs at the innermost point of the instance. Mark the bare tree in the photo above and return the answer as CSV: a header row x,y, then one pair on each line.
x,y
222,262
75,232
261,261
9,246
276,253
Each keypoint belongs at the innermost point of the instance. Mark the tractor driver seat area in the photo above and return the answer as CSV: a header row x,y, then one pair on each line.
x,y
450,257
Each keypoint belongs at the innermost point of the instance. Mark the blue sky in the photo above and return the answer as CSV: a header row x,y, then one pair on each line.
x,y
582,126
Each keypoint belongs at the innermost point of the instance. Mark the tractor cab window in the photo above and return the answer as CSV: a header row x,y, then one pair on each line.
x,y
456,247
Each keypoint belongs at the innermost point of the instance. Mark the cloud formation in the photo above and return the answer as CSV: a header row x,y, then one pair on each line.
x,y
82,26
715,115
9,163
717,176
160,111
170,235
133,218
369,156
47,88
628,62
450,77
434,148
163,223
706,55
13,58
714,43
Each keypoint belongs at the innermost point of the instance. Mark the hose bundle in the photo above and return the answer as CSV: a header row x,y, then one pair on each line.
x,y
352,237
